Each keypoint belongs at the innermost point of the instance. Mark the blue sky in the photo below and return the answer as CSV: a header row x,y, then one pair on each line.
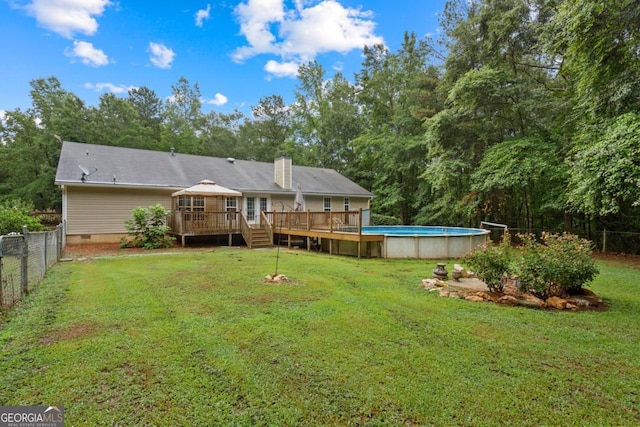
x,y
237,51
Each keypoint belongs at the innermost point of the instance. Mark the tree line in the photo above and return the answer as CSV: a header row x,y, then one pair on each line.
x,y
530,117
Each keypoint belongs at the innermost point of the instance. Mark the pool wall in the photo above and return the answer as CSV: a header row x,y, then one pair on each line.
x,y
413,242
431,247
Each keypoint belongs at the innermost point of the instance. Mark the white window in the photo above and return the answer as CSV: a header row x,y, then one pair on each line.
x,y
263,204
326,204
346,203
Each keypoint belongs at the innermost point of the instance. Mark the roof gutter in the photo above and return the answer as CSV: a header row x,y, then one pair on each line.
x,y
118,184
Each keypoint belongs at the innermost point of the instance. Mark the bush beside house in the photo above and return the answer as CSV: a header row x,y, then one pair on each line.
x,y
148,227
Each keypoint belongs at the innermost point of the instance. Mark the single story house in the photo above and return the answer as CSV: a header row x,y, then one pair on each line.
x,y
101,186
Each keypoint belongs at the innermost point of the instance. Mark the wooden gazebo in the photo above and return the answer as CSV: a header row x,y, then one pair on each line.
x,y
203,210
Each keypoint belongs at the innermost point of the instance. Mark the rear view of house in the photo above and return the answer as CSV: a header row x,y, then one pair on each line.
x,y
101,185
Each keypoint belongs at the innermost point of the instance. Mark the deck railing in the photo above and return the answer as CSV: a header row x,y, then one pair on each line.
x,y
265,224
202,223
245,229
343,221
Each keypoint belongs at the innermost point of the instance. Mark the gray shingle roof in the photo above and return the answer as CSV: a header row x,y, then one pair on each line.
x,y
144,168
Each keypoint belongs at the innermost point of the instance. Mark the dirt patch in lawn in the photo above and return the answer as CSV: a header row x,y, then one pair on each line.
x,y
81,330
92,250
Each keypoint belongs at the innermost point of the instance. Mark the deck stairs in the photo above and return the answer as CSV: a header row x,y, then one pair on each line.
x,y
259,238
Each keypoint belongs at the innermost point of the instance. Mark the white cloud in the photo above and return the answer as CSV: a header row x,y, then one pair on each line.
x,y
87,54
161,56
219,100
202,15
108,87
282,69
328,26
67,17
256,17
298,35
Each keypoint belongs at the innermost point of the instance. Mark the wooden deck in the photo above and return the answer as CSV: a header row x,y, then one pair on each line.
x,y
323,229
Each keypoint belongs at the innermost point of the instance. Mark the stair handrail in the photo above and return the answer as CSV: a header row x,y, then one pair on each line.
x,y
245,229
266,226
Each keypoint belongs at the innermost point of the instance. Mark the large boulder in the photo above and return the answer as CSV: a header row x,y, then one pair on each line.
x,y
529,300
508,300
557,303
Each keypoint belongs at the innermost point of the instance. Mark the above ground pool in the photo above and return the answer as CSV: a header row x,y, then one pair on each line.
x,y
428,242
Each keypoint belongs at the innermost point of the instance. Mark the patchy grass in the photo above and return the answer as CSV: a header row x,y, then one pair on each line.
x,y
201,339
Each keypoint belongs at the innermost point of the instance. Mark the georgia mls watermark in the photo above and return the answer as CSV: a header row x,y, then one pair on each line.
x,y
31,416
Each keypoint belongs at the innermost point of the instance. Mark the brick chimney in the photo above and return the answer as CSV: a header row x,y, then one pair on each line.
x,y
282,172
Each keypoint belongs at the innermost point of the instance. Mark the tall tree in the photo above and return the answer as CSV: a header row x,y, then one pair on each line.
x,y
29,155
116,122
396,94
500,87
183,117
599,44
150,111
220,136
327,117
270,130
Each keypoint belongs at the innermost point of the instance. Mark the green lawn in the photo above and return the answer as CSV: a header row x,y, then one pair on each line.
x,y
200,339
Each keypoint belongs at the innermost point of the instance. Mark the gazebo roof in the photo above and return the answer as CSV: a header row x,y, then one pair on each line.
x,y
207,188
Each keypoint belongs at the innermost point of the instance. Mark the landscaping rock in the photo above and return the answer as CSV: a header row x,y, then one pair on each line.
x,y
586,299
276,278
511,295
580,301
557,303
487,296
511,289
508,300
463,272
571,306
529,300
428,284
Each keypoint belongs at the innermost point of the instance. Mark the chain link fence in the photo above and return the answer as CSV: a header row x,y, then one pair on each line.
x,y
24,260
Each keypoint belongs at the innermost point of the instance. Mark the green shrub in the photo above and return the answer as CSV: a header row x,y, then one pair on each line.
x,y
560,264
491,264
377,219
149,228
16,213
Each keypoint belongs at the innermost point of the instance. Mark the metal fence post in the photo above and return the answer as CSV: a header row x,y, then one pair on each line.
x,y
604,241
1,290
24,266
46,250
